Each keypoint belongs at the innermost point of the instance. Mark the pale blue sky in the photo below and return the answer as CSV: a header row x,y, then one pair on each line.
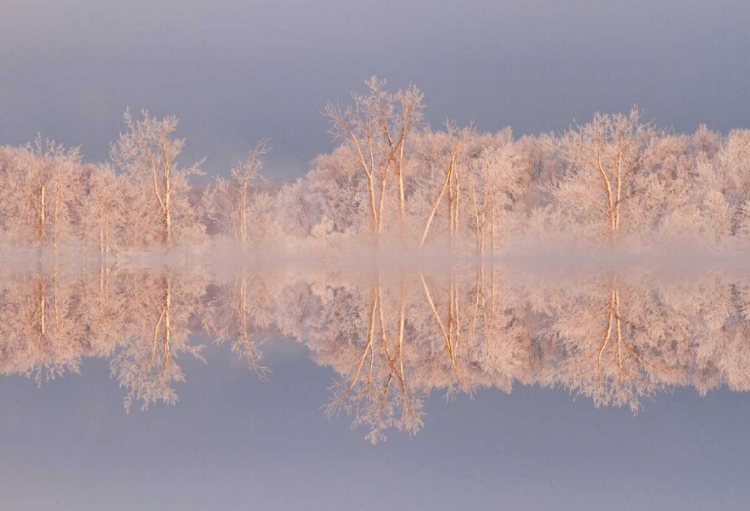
x,y
237,71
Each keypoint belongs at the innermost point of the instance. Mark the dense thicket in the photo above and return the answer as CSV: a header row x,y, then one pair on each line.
x,y
392,181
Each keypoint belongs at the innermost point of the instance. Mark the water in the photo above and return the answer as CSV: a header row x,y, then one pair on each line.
x,y
195,386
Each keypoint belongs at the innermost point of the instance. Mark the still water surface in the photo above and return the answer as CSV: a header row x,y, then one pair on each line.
x,y
182,387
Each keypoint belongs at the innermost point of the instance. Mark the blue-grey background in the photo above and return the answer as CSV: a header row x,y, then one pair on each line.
x,y
236,443
235,71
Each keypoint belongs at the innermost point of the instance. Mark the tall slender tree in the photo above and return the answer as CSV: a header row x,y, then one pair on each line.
x,y
232,198
377,126
148,152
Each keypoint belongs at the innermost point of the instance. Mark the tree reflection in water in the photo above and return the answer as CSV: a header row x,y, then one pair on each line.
x,y
392,336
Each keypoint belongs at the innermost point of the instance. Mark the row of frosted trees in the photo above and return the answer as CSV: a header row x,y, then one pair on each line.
x,y
391,181
140,198
615,180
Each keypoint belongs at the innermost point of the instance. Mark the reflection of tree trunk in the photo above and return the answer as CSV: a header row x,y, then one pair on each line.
x,y
167,322
368,391
401,323
395,362
41,319
242,336
614,341
450,334
479,295
607,332
42,308
454,327
104,311
242,308
613,325
162,329
493,293
340,399
55,300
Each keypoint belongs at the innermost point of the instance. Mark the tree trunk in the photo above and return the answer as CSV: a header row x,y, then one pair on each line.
x,y
42,214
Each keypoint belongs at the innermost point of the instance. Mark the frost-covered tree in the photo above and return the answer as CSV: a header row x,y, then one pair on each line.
x,y
233,200
724,180
338,191
498,184
445,152
294,214
104,210
40,181
148,153
602,158
377,126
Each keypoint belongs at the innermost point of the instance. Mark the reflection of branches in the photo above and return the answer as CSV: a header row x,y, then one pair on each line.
x,y
627,357
367,393
40,334
375,355
340,396
453,325
147,368
390,339
237,314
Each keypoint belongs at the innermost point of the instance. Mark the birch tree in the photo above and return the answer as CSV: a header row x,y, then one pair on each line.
x,y
39,182
441,151
497,183
378,126
106,206
233,197
602,158
148,153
